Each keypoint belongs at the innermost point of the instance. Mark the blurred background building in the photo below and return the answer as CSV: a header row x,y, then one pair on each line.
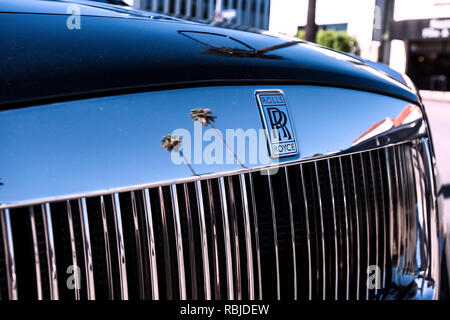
x,y
420,47
411,36
247,13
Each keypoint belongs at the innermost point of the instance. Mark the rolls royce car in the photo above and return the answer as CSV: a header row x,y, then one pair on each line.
x,y
148,157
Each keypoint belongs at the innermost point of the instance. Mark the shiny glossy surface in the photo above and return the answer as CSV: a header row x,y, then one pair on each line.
x,y
103,147
9,257
72,247
60,7
50,251
226,232
151,245
108,256
87,250
37,262
120,54
113,142
120,247
179,243
410,271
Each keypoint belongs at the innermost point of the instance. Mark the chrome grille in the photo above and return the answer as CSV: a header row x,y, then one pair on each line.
x,y
308,231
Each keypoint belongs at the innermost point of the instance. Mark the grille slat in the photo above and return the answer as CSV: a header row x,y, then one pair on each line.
x,y
73,250
291,220
333,204
50,251
321,232
357,227
139,256
204,240
226,232
366,216
248,239
256,235
301,231
275,236
87,249
398,208
8,248
179,243
235,241
191,251
120,247
214,246
347,234
308,233
108,257
37,262
382,190
165,237
391,196
151,245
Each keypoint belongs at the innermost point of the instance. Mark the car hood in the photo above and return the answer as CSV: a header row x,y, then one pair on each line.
x,y
112,52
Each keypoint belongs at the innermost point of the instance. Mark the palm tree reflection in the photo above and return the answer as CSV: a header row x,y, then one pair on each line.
x,y
173,143
205,117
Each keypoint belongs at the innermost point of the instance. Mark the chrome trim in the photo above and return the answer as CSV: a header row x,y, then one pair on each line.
x,y
425,214
399,207
404,211
275,235
50,250
412,211
10,262
151,245
123,280
384,223
37,263
216,273
73,247
87,249
422,207
322,234
226,232
201,177
308,233
255,222
107,249
137,237
179,243
347,291
392,249
206,273
358,235
336,282
434,223
374,186
191,242
361,180
291,220
367,213
421,203
149,164
237,259
248,239
167,260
